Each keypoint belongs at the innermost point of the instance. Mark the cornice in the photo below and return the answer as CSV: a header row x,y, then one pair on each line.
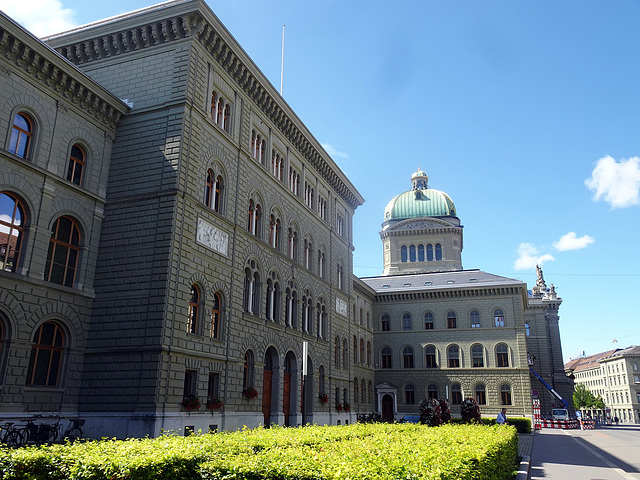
x,y
44,66
214,41
408,296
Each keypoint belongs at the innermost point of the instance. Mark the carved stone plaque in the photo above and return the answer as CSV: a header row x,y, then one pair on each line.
x,y
212,237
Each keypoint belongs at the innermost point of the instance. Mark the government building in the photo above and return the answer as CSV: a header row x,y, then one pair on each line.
x,y
176,252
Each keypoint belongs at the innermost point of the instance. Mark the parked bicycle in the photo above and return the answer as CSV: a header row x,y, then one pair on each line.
x,y
74,430
41,433
11,435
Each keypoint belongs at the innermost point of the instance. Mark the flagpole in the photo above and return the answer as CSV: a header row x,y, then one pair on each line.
x,y
282,63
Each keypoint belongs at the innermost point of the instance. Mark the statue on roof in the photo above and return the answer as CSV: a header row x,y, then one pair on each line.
x,y
540,281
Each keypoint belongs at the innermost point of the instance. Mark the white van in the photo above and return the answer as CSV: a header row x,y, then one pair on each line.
x,y
560,414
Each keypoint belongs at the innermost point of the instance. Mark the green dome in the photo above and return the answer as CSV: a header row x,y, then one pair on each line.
x,y
420,203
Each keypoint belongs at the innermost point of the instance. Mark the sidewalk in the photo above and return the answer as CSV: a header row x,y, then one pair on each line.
x,y
525,446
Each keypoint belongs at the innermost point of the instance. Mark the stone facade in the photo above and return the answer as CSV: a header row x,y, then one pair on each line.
x,y
181,235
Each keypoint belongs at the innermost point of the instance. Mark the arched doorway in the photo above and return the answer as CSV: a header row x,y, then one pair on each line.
x,y
307,394
288,387
268,380
387,408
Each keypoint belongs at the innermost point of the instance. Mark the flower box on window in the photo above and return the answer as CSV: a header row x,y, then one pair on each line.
x,y
190,403
339,407
249,392
347,407
323,397
214,403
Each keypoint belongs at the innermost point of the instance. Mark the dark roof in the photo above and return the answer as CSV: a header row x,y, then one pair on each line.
x,y
437,280
585,363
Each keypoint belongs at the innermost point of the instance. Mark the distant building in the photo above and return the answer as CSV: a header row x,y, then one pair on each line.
x,y
445,332
615,376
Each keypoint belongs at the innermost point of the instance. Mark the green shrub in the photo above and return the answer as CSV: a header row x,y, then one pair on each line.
x,y
522,424
359,451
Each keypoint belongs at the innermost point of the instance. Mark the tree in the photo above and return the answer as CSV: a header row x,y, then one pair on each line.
x,y
470,411
430,413
583,398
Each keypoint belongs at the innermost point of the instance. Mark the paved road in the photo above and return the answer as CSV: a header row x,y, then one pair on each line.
x,y
606,453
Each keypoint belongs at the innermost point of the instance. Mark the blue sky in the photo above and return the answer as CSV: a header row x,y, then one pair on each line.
x,y
526,113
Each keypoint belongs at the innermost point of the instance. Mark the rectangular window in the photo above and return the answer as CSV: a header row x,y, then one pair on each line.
x,y
213,388
190,385
340,225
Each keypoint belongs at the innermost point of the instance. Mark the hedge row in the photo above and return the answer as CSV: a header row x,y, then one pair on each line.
x,y
360,451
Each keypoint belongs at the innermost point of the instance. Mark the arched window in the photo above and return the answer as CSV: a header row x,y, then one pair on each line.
x,y
505,394
438,252
403,253
355,350
64,248
321,260
340,277
308,254
216,315
273,298
345,353
194,310
291,306
428,321
412,253
368,354
274,231
336,352
370,391
475,319
21,135
502,355
432,391
527,329
456,394
409,394
498,316
322,318
253,225
252,289
307,312
362,357
385,356
430,357
363,398
421,253
481,395
385,322
218,192
76,164
12,227
429,253
407,324
247,376
292,244
453,356
45,362
477,356
407,357
451,320
208,191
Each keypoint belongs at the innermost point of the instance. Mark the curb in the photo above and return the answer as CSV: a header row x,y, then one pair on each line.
x,y
523,471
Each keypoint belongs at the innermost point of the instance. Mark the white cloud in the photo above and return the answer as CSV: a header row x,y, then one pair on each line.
x,y
616,183
333,152
529,257
570,241
40,17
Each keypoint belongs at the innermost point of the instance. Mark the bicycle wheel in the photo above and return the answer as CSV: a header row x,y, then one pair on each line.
x,y
74,434
52,435
13,439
